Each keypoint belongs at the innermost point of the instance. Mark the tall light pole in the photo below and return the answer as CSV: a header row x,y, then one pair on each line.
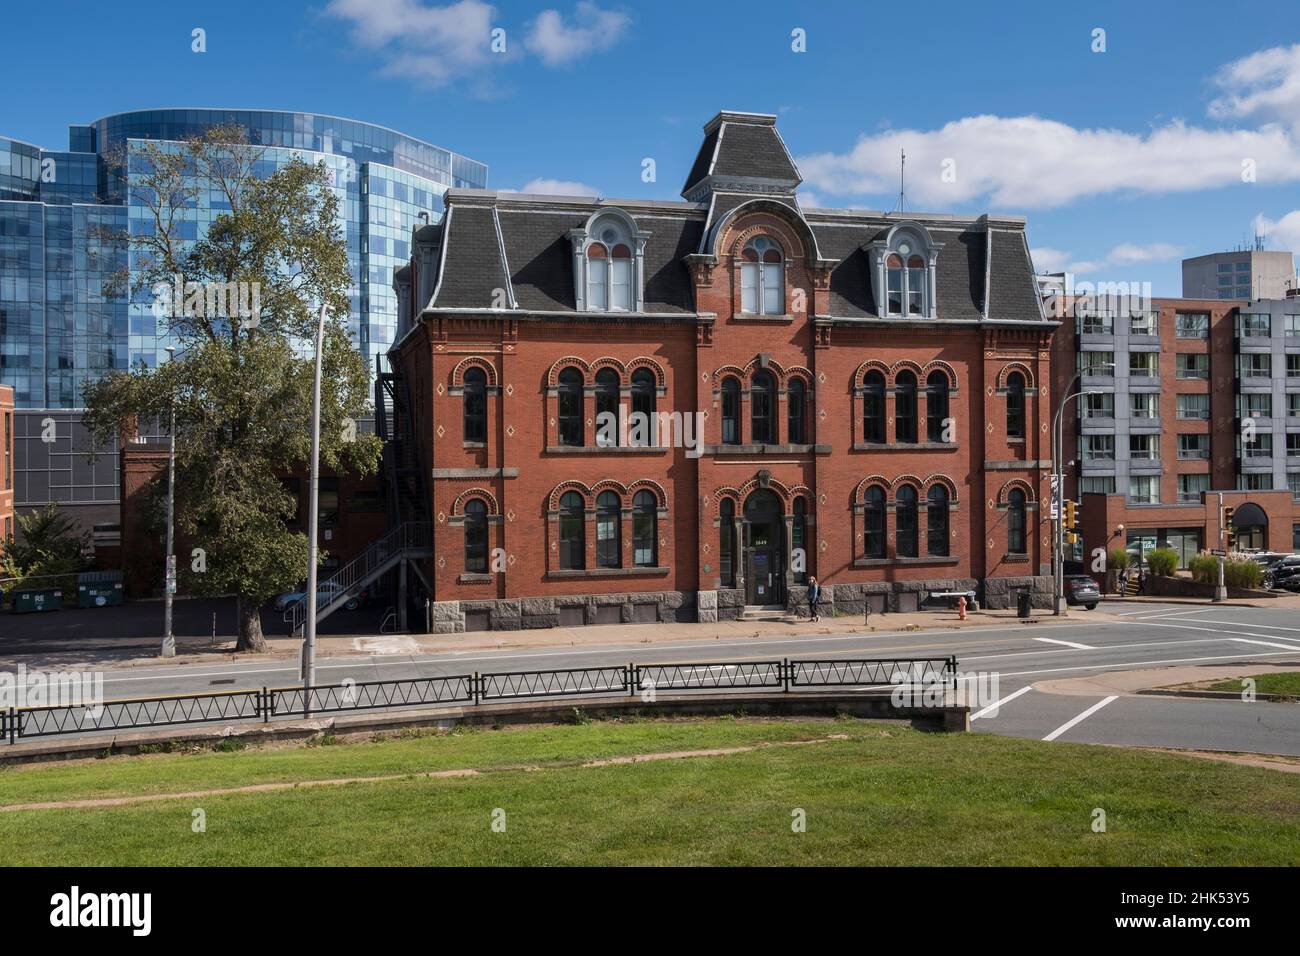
x,y
313,510
169,583
1058,497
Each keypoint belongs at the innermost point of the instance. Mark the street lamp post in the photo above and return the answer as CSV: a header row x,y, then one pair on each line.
x,y
169,583
309,625
1058,497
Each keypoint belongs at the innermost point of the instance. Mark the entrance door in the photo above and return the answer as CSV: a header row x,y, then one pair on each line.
x,y
764,567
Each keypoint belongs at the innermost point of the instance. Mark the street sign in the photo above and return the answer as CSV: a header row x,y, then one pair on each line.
x,y
1055,507
1218,552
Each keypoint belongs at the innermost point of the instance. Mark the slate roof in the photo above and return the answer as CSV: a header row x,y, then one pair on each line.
x,y
472,269
742,146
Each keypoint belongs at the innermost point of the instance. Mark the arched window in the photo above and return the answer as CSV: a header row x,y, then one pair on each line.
x,y
936,521
873,530
607,386
795,433
609,271
730,411
873,407
1015,405
1016,522
936,405
609,532
570,407
475,405
476,537
643,401
915,285
762,277
762,409
894,277
905,407
798,539
573,539
905,522
726,541
645,529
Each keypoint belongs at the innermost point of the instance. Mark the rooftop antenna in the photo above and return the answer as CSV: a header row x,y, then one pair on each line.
x,y
901,206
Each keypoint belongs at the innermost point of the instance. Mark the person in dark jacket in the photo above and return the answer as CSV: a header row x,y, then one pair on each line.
x,y
814,595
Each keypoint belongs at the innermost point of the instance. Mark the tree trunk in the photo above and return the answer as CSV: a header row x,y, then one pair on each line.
x,y
250,628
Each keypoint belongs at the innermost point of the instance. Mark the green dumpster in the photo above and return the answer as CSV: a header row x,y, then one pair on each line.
x,y
99,589
28,602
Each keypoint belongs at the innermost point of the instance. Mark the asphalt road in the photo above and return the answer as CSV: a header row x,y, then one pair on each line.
x,y
1143,637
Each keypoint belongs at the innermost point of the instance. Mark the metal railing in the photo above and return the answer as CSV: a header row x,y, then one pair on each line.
x,y
346,583
19,723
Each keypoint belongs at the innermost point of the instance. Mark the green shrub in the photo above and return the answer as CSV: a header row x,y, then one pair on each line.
x,y
1204,568
1119,559
1242,573
1162,561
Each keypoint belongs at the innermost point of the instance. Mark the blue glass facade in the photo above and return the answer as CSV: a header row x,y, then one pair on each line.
x,y
57,328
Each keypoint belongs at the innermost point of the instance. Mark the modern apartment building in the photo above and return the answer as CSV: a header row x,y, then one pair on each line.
x,y
1241,274
1186,400
57,327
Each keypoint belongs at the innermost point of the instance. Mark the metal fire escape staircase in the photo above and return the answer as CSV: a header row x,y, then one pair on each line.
x,y
410,534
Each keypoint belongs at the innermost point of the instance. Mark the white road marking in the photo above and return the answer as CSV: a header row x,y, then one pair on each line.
x,y
1267,627
1242,640
1082,717
993,707
1120,667
1077,647
386,646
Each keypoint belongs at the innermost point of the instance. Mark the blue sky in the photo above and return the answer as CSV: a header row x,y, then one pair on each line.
x,y
1123,160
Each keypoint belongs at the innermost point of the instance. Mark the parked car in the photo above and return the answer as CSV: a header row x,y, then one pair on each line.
x,y
326,591
1081,589
1282,570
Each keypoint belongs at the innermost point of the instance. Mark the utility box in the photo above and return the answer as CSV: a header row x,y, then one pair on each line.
x,y
31,602
99,589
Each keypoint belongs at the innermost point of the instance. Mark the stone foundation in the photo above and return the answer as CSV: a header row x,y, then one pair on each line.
x,y
1001,592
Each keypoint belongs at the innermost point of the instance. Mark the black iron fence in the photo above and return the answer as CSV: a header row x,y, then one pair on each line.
x,y
18,723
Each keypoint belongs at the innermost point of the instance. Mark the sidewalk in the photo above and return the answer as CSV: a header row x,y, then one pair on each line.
x,y
1290,602
201,650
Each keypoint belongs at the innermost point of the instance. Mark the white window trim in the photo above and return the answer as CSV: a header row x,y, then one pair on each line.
x,y
760,283
635,238
921,244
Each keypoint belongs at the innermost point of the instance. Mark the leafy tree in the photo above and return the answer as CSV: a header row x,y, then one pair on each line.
x,y
48,544
241,387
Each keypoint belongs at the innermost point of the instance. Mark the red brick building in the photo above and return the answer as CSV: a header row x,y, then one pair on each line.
x,y
855,395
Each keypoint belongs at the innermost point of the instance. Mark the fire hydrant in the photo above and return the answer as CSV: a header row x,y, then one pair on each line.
x,y
961,608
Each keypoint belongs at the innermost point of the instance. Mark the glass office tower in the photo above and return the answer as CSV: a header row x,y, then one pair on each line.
x,y
57,328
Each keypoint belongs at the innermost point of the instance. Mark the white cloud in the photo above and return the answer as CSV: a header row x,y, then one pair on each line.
x,y
1282,233
432,44
1028,161
1047,259
1266,83
557,42
556,187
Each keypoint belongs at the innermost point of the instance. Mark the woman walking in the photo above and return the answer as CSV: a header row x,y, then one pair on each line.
x,y
814,594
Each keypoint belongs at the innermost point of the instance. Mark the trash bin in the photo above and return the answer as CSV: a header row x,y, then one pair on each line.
x,y
99,589
29,602
1024,601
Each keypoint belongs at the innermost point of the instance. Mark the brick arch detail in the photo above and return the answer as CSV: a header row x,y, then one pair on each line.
x,y
645,361
473,361
867,366
723,371
905,365
906,480
608,361
1020,367
940,367
866,483
774,485
941,480
609,484
553,500
648,484
553,376
737,234
1020,483
728,492
458,506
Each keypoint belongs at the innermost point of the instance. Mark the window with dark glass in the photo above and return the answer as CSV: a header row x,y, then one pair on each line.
x,y
730,411
476,537
936,406
798,537
1015,405
1016,522
607,386
905,521
936,521
643,401
726,535
475,399
645,529
328,502
762,409
570,407
609,537
873,407
894,278
795,434
905,407
573,542
873,531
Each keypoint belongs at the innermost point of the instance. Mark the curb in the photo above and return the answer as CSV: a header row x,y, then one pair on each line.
x,y
1195,602
1218,695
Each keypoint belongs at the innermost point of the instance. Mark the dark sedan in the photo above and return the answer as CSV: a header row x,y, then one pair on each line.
x,y
1081,589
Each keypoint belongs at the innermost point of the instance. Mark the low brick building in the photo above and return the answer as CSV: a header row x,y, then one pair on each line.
x,y
855,395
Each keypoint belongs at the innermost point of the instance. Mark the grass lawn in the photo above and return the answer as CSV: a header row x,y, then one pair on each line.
x,y
1286,683
886,794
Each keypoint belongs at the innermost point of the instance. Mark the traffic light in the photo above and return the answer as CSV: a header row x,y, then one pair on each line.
x,y
1230,533
1070,522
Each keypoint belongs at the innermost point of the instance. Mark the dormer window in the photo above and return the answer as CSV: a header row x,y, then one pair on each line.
x,y
608,263
905,263
762,277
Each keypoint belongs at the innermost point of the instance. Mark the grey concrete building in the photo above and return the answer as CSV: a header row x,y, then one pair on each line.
x,y
1241,274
